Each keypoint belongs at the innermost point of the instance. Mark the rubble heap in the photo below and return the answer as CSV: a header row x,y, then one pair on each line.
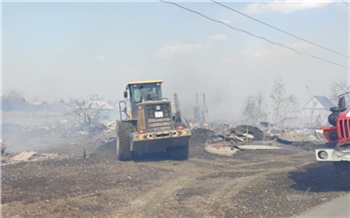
x,y
244,137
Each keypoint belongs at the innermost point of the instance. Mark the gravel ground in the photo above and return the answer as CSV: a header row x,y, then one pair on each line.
x,y
253,183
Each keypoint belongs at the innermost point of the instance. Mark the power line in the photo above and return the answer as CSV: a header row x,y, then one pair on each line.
x,y
251,34
345,3
290,34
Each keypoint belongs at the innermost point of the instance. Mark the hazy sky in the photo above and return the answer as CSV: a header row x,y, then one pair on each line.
x,y
62,50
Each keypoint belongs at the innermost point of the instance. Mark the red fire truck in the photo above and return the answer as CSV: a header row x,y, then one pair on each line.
x,y
338,136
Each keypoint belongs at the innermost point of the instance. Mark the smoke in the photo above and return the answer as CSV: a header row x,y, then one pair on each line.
x,y
104,47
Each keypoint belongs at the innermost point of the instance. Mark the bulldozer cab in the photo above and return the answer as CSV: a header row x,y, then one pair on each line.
x,y
142,91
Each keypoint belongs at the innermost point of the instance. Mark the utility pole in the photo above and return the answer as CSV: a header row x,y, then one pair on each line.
x,y
204,111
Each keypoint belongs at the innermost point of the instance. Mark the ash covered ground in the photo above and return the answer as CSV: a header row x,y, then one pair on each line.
x,y
251,183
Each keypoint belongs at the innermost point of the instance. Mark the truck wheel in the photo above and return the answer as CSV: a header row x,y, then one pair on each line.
x,y
123,141
179,153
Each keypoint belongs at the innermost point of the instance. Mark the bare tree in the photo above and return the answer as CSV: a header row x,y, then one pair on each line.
x,y
87,111
283,106
338,88
254,109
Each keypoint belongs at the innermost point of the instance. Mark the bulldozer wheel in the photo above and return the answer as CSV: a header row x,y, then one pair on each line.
x,y
123,141
179,153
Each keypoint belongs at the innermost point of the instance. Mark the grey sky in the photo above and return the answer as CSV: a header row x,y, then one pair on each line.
x,y
54,50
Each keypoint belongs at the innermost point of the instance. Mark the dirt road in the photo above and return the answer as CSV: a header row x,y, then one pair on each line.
x,y
255,183
337,208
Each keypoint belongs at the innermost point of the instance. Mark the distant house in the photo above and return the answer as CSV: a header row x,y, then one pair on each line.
x,y
107,111
101,104
316,110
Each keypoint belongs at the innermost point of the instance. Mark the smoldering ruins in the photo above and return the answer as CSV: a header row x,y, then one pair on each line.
x,y
54,166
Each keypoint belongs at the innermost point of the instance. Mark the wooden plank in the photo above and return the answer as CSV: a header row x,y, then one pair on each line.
x,y
24,156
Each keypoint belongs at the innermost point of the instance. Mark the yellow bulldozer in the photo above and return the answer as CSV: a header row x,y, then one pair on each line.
x,y
150,123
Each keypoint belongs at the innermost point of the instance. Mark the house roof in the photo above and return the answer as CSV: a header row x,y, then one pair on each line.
x,y
323,101
103,105
98,104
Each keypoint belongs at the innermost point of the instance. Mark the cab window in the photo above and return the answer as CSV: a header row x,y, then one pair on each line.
x,y
145,92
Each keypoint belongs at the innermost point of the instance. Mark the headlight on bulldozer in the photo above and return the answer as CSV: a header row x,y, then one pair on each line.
x,y
322,155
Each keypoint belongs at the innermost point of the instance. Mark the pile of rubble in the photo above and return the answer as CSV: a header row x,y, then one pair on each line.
x,y
298,135
244,137
110,127
241,134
